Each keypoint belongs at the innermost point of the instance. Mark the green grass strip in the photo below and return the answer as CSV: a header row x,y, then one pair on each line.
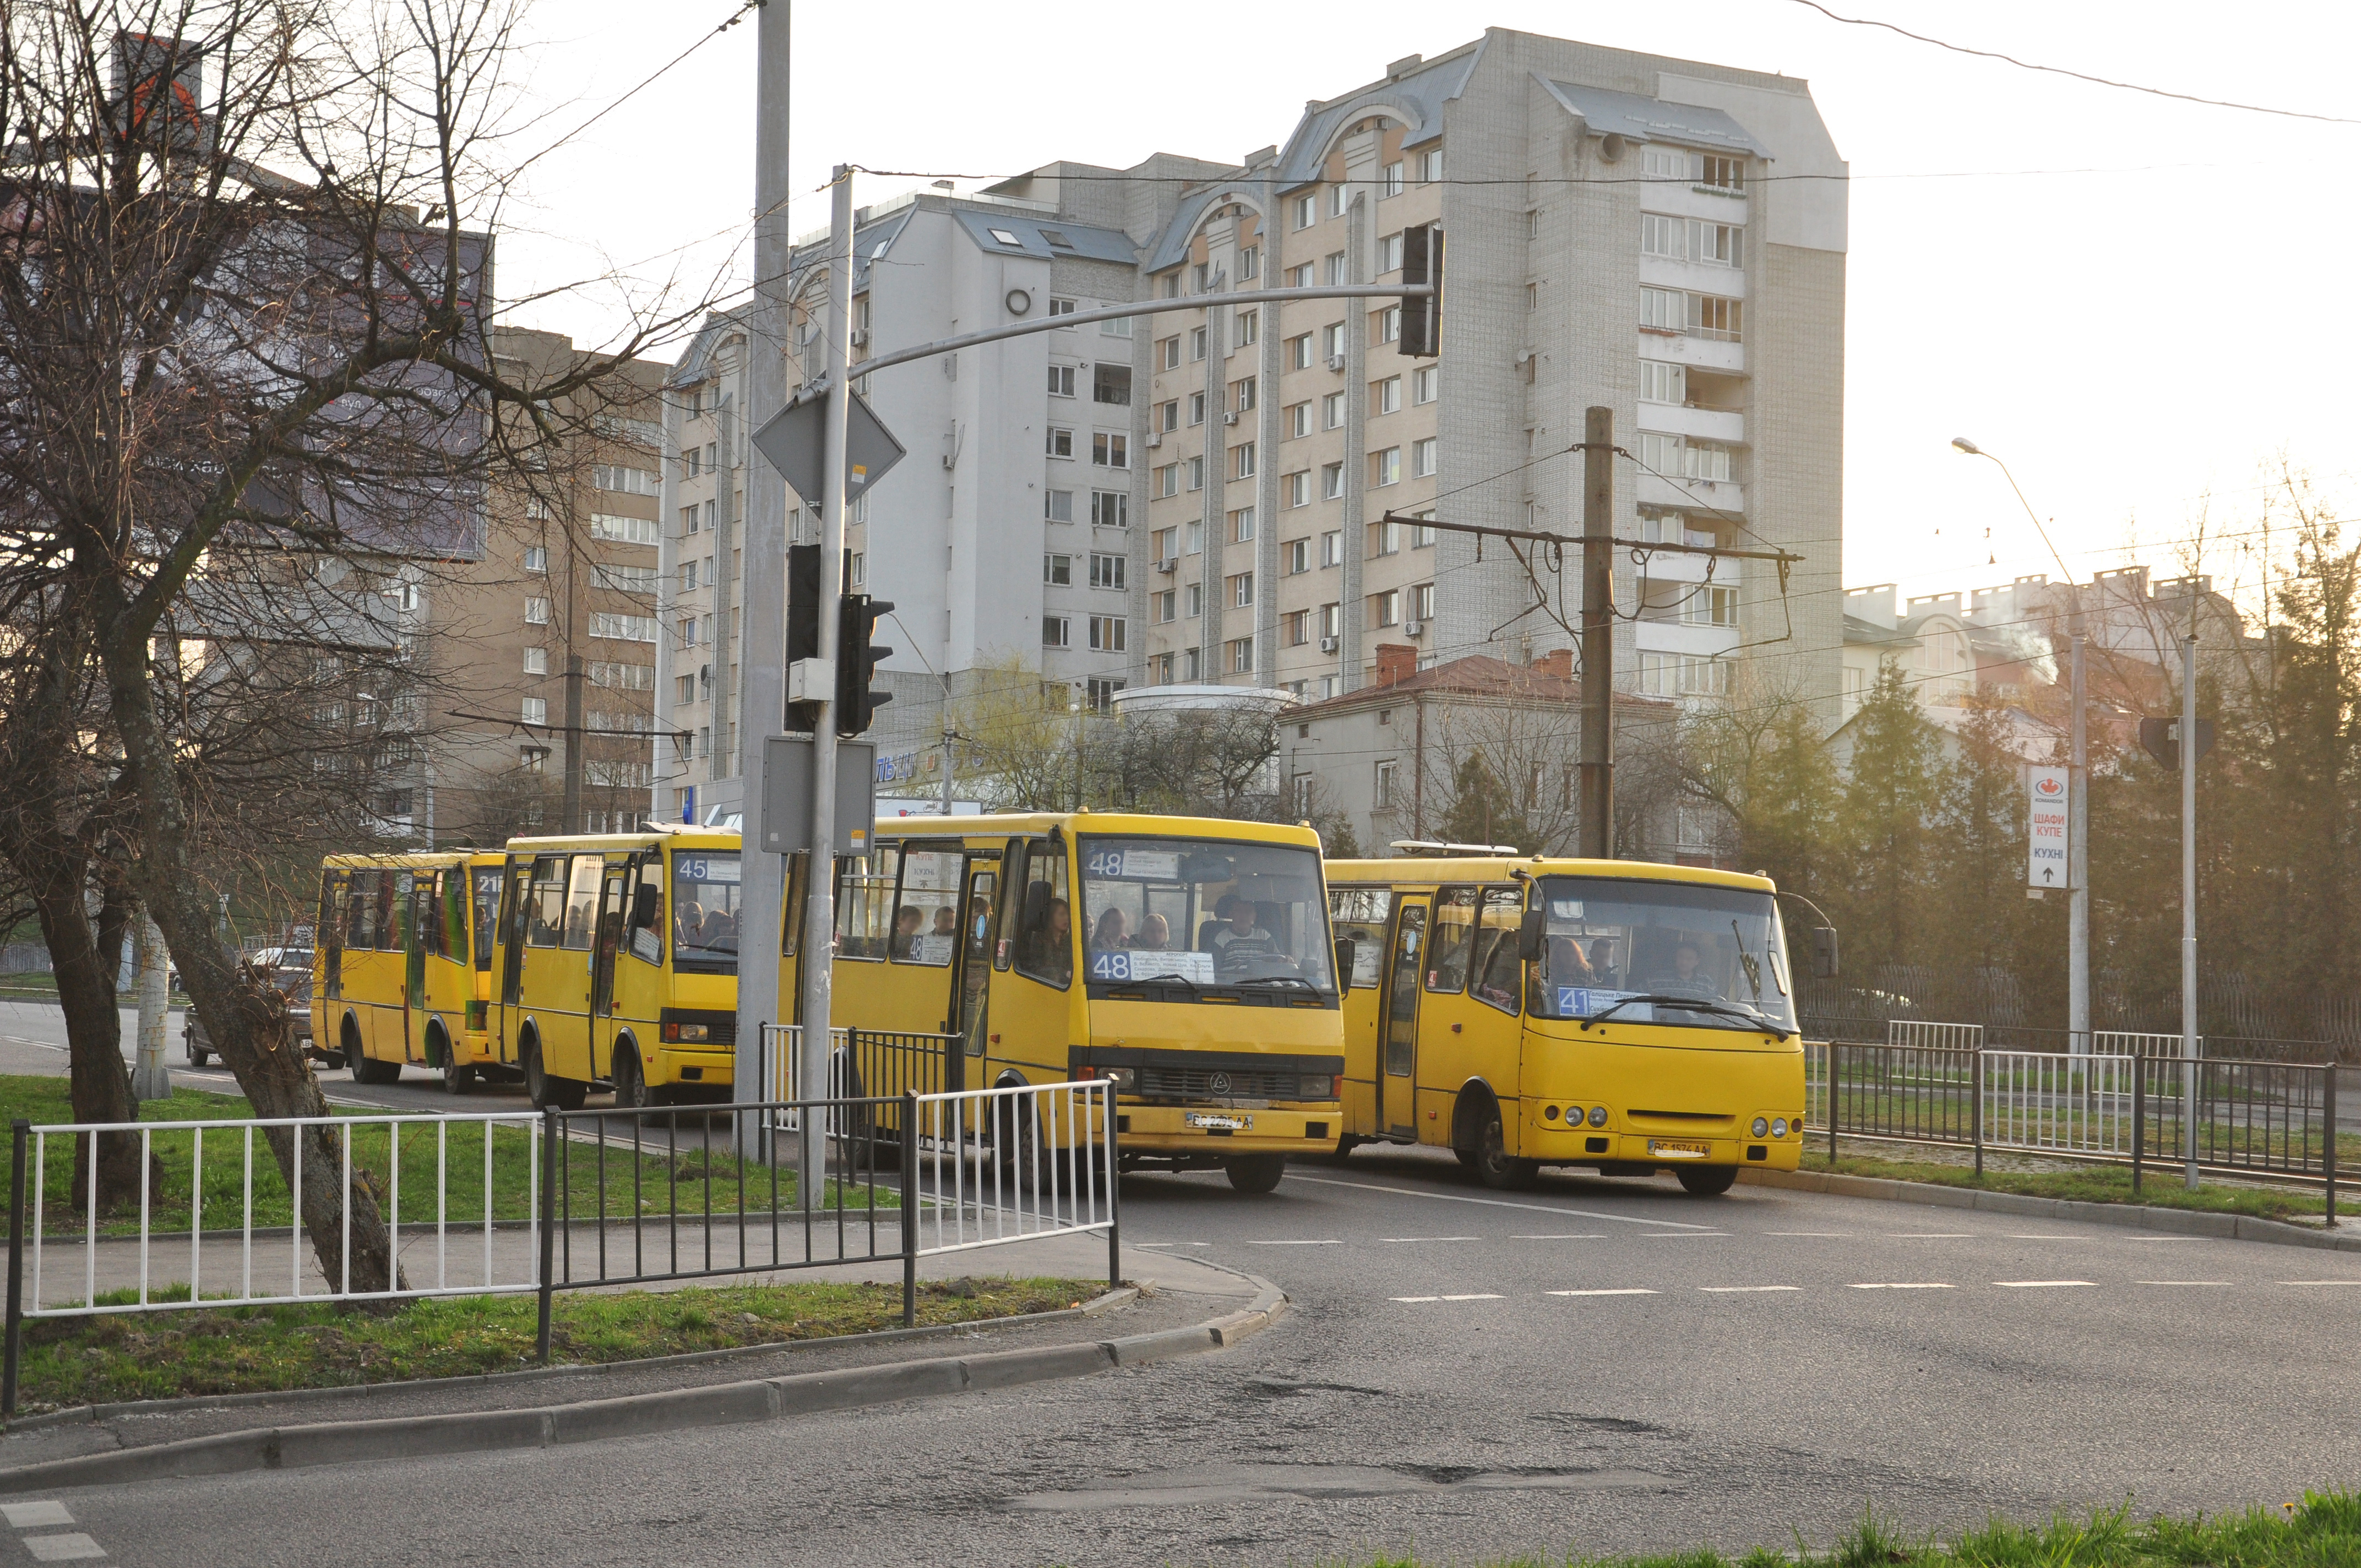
x,y
2161,1187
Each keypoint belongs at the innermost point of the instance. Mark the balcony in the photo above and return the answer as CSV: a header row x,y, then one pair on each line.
x,y
1714,204
1727,426
1672,637
1692,495
1693,277
1699,352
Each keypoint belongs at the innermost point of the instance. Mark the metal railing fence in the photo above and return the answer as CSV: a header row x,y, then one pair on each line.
x,y
2267,1120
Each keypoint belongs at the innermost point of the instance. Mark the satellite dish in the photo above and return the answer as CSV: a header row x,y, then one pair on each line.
x,y
1611,146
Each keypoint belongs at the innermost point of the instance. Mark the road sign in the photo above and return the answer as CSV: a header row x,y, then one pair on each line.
x,y
2045,825
2160,739
786,785
795,440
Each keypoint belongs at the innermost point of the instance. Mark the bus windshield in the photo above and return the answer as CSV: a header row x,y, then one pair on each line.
x,y
704,912
1205,912
1713,958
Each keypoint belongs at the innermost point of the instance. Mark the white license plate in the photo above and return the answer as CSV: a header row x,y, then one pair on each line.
x,y
1226,1123
1663,1149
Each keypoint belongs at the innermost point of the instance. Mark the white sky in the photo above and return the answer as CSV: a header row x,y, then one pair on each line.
x,y
2151,318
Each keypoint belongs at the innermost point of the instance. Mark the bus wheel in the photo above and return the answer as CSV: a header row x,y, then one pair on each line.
x,y
547,1092
1255,1172
632,1092
1708,1180
457,1076
1346,1144
1493,1166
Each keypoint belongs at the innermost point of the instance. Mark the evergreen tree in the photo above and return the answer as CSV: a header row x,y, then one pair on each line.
x,y
1482,810
1886,830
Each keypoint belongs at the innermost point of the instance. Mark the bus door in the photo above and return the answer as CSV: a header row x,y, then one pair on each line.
x,y
1397,1111
514,915
408,888
972,985
334,889
612,897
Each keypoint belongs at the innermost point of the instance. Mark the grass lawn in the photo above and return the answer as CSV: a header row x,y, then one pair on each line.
x,y
2161,1187
2322,1530
655,1180
163,1355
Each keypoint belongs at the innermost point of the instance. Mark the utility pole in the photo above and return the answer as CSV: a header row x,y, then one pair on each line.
x,y
761,644
2189,904
2078,863
1597,821
571,809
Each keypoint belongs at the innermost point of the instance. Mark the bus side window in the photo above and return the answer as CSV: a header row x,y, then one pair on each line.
x,y
545,912
582,900
865,903
643,937
455,914
1359,914
1496,969
1044,923
331,927
486,880
392,904
429,895
1454,938
791,924
361,911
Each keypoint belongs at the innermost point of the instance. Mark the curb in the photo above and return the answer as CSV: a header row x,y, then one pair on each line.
x,y
631,1415
2142,1217
1105,1302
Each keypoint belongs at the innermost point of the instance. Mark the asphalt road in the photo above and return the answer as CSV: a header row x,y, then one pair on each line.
x,y
1592,1366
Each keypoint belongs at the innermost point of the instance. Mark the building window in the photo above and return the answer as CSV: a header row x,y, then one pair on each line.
x,y
1195,600
688,576
1242,590
1422,535
1106,633
1249,263
1061,380
1299,352
1055,632
683,689
1331,545
1332,411
1711,316
633,580
1058,506
1198,339
1296,488
1168,480
1423,458
1298,421
1385,468
1242,656
625,628
1297,626
1390,254
1203,276
1421,602
1385,608
1389,179
1160,670
1196,473
536,661
1168,605
536,710
1061,442
1335,269
1196,408
1383,798
1110,385
1242,525
1195,536
1332,340
1168,415
621,530
1242,461
1109,451
1385,326
1337,198
1385,397
1424,382
1663,309
536,559
1304,211
1385,537
1109,508
1662,383
1242,395
1168,352
1332,481
1106,571
532,760
1660,237
1430,166
1058,570
1708,606
1682,675
536,612
1296,556
1300,276
1332,620
1102,690
1190,662
1246,328
1058,307
1116,326
624,480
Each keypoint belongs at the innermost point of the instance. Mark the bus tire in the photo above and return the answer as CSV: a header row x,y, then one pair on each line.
x,y
366,1069
1495,1167
1255,1172
631,1090
547,1091
1706,1180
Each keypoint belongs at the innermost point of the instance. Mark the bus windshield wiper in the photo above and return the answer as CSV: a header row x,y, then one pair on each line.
x,y
1161,979
1742,1015
1278,980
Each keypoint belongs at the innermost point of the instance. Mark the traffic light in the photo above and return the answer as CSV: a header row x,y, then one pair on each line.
x,y
857,658
1421,314
803,624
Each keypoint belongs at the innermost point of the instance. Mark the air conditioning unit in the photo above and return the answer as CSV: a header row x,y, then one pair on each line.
x,y
1155,438
1336,362
860,337
1412,627
1166,565
1328,644
1229,419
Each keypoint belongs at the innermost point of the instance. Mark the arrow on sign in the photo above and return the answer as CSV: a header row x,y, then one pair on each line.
x,y
2048,876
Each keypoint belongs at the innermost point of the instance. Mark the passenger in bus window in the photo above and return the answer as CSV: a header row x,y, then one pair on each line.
x,y
947,921
1155,936
1108,935
1238,943
907,921
1602,962
1688,977
1057,958
686,921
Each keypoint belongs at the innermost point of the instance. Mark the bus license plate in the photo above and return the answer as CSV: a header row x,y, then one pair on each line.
x,y
1663,1149
1226,1123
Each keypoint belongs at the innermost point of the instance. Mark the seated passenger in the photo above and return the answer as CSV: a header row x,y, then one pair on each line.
x,y
1155,936
1053,944
946,921
1108,935
905,931
1602,968
1688,977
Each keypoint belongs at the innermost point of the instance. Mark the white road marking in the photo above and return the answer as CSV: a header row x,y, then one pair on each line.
x,y
1930,1235
75,1548
1496,1202
2013,1236
1899,1286
2039,1284
25,1516
1679,1235
2164,1238
20,1040
1331,1242
2180,1282
1417,1298
1430,1238
1478,1297
2320,1281
1598,1292
1172,1243
1743,1289
1575,1236
1833,1235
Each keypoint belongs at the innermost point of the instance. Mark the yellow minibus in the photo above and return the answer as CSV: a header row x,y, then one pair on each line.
x,y
616,962
1186,960
402,963
1624,1016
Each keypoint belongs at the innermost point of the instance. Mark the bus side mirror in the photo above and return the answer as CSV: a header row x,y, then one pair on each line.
x,y
1344,950
1531,931
1824,952
1036,907
643,906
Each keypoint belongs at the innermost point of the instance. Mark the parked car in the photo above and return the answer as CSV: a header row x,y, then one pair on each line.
x,y
288,969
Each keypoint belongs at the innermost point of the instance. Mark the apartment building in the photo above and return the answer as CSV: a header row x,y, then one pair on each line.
x,y
1661,236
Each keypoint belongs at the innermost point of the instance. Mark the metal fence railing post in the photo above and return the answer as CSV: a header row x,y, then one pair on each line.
x,y
909,1209
1976,1105
2327,1141
1833,1048
16,1349
1115,1197
2139,1116
548,1206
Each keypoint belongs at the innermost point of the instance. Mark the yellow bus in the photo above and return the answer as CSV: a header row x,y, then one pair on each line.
x,y
1618,1014
1188,960
615,957
402,966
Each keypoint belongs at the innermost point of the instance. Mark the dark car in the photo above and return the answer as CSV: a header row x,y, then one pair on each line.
x,y
289,968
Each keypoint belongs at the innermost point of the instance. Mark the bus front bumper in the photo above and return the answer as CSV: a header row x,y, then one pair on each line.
x,y
1561,1144
692,1064
1213,1132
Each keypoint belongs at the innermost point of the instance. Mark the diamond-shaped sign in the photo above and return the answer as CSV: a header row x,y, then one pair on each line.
x,y
794,440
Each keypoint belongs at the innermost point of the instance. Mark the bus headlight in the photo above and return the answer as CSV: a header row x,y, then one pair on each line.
x,y
1122,1078
676,1032
1317,1085
1779,1127
1598,1116
1762,1127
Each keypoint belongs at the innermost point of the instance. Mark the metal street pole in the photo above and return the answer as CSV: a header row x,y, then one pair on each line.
x,y
836,494
763,605
1597,820
2188,906
2078,866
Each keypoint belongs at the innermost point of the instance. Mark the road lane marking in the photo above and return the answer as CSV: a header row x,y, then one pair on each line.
x,y
1904,1287
2180,1282
2166,1238
2320,1281
1488,1297
1930,1235
25,1516
1417,1298
1331,1242
2014,1237
1839,1236
1430,1238
1574,1237
1172,1243
2040,1284
1743,1289
73,1548
20,1040
1679,1235
1598,1292
1496,1202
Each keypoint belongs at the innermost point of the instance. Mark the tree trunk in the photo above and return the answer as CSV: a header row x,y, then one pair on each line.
x,y
100,1083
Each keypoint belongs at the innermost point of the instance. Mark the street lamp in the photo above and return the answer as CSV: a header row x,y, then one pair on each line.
x,y
2078,854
